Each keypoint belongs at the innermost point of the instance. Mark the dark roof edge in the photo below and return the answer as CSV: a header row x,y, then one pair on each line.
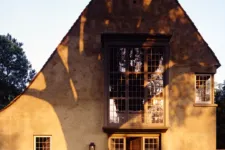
x,y
214,55
135,36
64,38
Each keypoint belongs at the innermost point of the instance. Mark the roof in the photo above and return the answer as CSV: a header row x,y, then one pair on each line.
x,y
65,40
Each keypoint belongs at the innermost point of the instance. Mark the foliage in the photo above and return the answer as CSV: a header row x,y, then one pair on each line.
x,y
220,120
15,70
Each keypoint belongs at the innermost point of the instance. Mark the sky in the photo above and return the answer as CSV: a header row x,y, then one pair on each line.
x,y
41,24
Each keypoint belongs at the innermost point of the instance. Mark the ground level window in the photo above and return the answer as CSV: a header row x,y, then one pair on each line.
x,y
42,142
117,144
151,143
134,143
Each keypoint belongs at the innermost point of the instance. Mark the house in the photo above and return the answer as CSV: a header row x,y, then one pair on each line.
x,y
128,75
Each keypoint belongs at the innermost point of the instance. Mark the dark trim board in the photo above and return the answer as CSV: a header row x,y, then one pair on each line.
x,y
136,131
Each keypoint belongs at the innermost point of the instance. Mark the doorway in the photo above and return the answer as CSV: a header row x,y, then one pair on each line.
x,y
134,142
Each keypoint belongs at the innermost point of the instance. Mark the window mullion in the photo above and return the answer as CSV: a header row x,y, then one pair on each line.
x,y
212,89
145,84
127,84
124,141
127,95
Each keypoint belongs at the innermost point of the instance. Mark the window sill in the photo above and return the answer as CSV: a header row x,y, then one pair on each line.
x,y
131,130
204,105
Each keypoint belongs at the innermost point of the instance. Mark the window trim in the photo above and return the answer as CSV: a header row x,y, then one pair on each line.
x,y
34,141
145,137
211,101
143,40
116,137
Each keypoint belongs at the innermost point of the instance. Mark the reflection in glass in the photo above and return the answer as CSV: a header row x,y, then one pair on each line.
x,y
203,90
130,98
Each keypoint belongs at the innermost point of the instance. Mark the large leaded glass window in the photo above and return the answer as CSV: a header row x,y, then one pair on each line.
x,y
136,85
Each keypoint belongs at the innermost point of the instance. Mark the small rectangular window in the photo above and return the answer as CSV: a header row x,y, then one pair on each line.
x,y
117,143
151,143
42,142
203,90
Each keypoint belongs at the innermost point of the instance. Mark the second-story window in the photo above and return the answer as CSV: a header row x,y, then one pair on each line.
x,y
203,92
136,85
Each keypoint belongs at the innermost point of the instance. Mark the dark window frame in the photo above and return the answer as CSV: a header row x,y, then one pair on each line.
x,y
133,40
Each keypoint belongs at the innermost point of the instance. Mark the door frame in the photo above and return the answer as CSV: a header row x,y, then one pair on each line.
x,y
124,136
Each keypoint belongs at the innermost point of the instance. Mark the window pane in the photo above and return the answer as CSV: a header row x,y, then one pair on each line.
x,y
136,60
155,85
155,111
155,60
117,85
117,111
136,110
136,85
136,105
118,59
124,59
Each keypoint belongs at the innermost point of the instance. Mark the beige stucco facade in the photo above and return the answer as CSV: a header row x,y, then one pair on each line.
x,y
66,99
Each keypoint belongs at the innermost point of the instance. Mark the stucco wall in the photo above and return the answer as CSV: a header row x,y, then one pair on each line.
x,y
191,127
66,105
66,98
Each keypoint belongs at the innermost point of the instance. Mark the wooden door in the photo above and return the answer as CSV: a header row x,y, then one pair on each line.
x,y
134,143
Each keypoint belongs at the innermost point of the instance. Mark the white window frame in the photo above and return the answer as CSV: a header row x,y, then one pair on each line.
x,y
116,137
211,101
42,136
147,137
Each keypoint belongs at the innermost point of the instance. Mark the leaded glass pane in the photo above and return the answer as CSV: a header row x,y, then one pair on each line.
x,y
135,83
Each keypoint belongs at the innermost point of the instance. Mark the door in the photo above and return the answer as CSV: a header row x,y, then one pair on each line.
x,y
134,143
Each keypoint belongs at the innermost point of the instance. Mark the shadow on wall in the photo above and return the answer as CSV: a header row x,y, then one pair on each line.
x,y
74,83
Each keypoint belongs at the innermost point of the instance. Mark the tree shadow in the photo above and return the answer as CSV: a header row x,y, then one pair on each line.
x,y
72,80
